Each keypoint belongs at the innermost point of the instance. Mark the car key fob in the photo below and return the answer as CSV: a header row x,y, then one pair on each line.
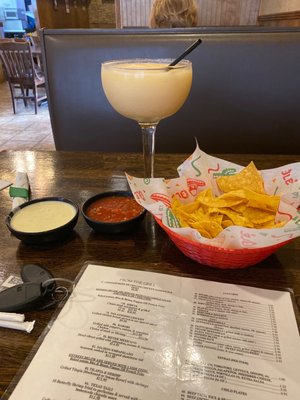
x,y
21,297
36,273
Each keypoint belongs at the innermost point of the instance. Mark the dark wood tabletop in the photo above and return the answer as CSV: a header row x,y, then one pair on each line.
x,y
79,175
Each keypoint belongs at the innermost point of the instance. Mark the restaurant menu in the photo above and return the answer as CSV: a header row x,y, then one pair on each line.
x,y
134,335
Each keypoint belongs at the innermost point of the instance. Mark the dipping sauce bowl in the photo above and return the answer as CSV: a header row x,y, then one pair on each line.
x,y
112,212
43,220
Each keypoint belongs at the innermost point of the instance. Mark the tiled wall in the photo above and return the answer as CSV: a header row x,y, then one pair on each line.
x,y
278,6
102,13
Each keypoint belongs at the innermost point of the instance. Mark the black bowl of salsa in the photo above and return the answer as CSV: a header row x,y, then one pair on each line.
x,y
112,212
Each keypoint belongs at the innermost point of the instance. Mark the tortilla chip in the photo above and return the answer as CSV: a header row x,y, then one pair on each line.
x,y
242,206
248,178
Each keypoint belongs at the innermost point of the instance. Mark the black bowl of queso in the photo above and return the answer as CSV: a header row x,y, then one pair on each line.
x,y
44,220
112,212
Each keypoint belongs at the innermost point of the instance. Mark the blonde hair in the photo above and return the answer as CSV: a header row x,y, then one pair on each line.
x,y
173,14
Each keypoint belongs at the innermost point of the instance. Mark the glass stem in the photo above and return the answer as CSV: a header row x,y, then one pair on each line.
x,y
148,132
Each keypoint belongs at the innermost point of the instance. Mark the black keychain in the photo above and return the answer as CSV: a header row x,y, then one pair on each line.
x,y
22,297
36,273
37,291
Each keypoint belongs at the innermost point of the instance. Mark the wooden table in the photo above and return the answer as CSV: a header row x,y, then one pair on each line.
x,y
80,175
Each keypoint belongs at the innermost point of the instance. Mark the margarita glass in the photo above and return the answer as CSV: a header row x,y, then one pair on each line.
x,y
146,90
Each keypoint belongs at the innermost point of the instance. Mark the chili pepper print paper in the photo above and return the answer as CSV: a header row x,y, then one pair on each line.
x,y
200,172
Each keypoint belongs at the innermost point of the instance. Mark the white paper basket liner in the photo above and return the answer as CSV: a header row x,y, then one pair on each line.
x,y
199,172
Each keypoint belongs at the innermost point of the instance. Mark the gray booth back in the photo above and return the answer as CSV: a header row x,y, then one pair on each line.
x,y
245,95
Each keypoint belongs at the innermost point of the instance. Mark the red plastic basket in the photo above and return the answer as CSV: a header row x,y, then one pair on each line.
x,y
220,257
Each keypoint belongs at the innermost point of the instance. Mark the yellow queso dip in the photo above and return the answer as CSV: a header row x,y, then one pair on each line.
x,y
42,216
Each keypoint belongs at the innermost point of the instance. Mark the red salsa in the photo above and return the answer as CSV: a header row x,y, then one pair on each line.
x,y
114,209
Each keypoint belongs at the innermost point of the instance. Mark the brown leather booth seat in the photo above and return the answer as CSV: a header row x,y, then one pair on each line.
x,y
245,95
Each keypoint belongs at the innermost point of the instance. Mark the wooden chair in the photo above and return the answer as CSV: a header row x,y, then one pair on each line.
x,y
23,77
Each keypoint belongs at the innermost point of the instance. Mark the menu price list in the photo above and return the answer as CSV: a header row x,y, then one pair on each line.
x,y
129,334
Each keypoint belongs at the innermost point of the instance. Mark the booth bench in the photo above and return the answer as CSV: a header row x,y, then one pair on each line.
x,y
245,96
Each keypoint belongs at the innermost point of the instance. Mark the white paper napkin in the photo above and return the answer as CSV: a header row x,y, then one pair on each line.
x,y
4,184
20,190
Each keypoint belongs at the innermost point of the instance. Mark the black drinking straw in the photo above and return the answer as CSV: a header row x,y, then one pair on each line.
x,y
186,52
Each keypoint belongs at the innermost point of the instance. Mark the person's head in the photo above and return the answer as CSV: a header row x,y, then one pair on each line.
x,y
173,14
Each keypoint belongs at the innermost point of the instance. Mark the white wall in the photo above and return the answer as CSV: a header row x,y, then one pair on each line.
x,y
8,3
